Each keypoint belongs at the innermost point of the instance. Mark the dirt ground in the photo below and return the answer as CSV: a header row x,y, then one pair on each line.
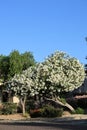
x,y
12,117
64,117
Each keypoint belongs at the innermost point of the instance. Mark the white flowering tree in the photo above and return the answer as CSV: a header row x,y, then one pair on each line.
x,y
66,73
58,73
21,85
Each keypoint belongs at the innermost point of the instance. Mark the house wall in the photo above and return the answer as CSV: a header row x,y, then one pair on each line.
x,y
16,100
82,89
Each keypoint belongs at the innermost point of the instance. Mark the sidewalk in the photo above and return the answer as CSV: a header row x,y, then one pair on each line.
x,y
66,119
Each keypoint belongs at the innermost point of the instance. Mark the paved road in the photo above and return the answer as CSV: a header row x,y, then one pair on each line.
x,y
41,126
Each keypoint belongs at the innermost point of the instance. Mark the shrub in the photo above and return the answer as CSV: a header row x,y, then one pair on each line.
x,y
26,115
78,111
9,108
1,107
46,111
50,111
35,113
30,105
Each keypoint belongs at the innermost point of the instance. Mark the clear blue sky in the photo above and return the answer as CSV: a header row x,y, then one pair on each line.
x,y
44,26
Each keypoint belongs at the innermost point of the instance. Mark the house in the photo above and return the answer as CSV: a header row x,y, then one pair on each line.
x,y
82,90
6,96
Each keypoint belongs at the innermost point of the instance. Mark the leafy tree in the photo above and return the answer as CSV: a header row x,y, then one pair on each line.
x,y
27,60
20,62
15,63
4,67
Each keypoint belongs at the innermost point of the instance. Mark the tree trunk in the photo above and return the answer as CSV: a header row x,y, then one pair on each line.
x,y
23,101
61,104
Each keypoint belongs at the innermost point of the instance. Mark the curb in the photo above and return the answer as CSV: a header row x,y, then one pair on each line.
x,y
44,122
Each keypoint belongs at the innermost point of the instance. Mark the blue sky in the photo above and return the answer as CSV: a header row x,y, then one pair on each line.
x,y
44,26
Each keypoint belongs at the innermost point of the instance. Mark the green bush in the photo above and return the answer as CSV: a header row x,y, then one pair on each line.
x,y
1,107
50,111
78,111
47,111
30,105
26,115
9,108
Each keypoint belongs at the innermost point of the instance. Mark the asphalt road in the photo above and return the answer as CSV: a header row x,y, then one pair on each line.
x,y
42,126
